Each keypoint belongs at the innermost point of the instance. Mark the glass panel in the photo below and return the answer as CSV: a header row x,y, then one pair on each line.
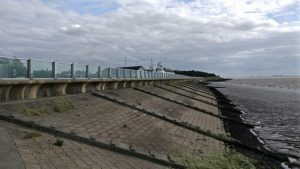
x,y
80,71
121,73
134,72
63,70
113,73
41,69
13,68
137,74
105,73
142,74
127,73
93,71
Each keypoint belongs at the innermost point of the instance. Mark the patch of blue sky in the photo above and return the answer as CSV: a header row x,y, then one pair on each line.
x,y
288,14
92,7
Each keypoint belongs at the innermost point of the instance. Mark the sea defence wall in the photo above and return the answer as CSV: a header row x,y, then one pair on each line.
x,y
30,79
31,89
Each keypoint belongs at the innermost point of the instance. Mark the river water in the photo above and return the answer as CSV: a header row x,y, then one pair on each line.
x,y
273,104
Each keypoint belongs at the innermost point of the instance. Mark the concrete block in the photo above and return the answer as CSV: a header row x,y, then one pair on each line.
x,y
161,156
11,117
64,130
140,150
103,141
84,135
132,148
171,158
123,146
92,138
73,133
151,154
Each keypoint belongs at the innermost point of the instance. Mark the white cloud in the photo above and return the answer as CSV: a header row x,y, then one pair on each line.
x,y
218,36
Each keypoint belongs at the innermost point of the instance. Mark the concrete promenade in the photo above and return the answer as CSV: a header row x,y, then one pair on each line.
x,y
115,129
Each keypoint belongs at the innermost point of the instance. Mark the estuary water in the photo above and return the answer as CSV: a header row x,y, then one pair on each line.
x,y
271,103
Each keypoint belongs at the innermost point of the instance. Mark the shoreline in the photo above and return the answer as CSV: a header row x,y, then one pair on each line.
x,y
248,136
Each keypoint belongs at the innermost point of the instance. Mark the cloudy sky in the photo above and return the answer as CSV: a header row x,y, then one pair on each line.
x,y
228,37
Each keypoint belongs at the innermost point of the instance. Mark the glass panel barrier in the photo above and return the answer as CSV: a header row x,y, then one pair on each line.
x,y
127,73
113,73
13,68
41,69
122,73
93,71
80,71
134,74
63,70
105,73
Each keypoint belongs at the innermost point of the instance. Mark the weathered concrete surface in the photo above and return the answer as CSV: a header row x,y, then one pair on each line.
x,y
30,89
102,119
40,153
152,103
9,155
186,100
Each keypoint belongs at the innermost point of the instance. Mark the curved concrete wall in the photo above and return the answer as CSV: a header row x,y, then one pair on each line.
x,y
37,89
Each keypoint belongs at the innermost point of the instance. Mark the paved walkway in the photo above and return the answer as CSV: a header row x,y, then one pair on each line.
x,y
40,153
9,155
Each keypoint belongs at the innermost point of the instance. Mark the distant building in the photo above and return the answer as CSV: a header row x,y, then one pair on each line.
x,y
161,68
134,67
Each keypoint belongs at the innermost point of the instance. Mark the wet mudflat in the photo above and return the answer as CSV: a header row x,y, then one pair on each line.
x,y
275,108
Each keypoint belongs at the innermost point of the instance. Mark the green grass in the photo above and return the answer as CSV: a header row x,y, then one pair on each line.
x,y
27,111
58,105
32,135
59,143
62,105
228,160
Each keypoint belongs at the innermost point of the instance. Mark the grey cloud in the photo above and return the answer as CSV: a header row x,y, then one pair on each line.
x,y
224,45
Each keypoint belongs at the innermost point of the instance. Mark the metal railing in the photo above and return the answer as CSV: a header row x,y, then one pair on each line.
x,y
19,68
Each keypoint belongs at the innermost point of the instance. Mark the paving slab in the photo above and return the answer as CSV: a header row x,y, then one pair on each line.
x,y
40,152
186,100
9,155
100,118
156,104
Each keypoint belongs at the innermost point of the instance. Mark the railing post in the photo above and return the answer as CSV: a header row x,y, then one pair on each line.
x,y
87,72
99,72
29,69
117,73
125,70
73,71
109,72
54,70
131,74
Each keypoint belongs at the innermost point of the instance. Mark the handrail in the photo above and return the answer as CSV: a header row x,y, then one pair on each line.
x,y
21,68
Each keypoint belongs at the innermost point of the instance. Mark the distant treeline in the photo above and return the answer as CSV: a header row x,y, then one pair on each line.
x,y
194,73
